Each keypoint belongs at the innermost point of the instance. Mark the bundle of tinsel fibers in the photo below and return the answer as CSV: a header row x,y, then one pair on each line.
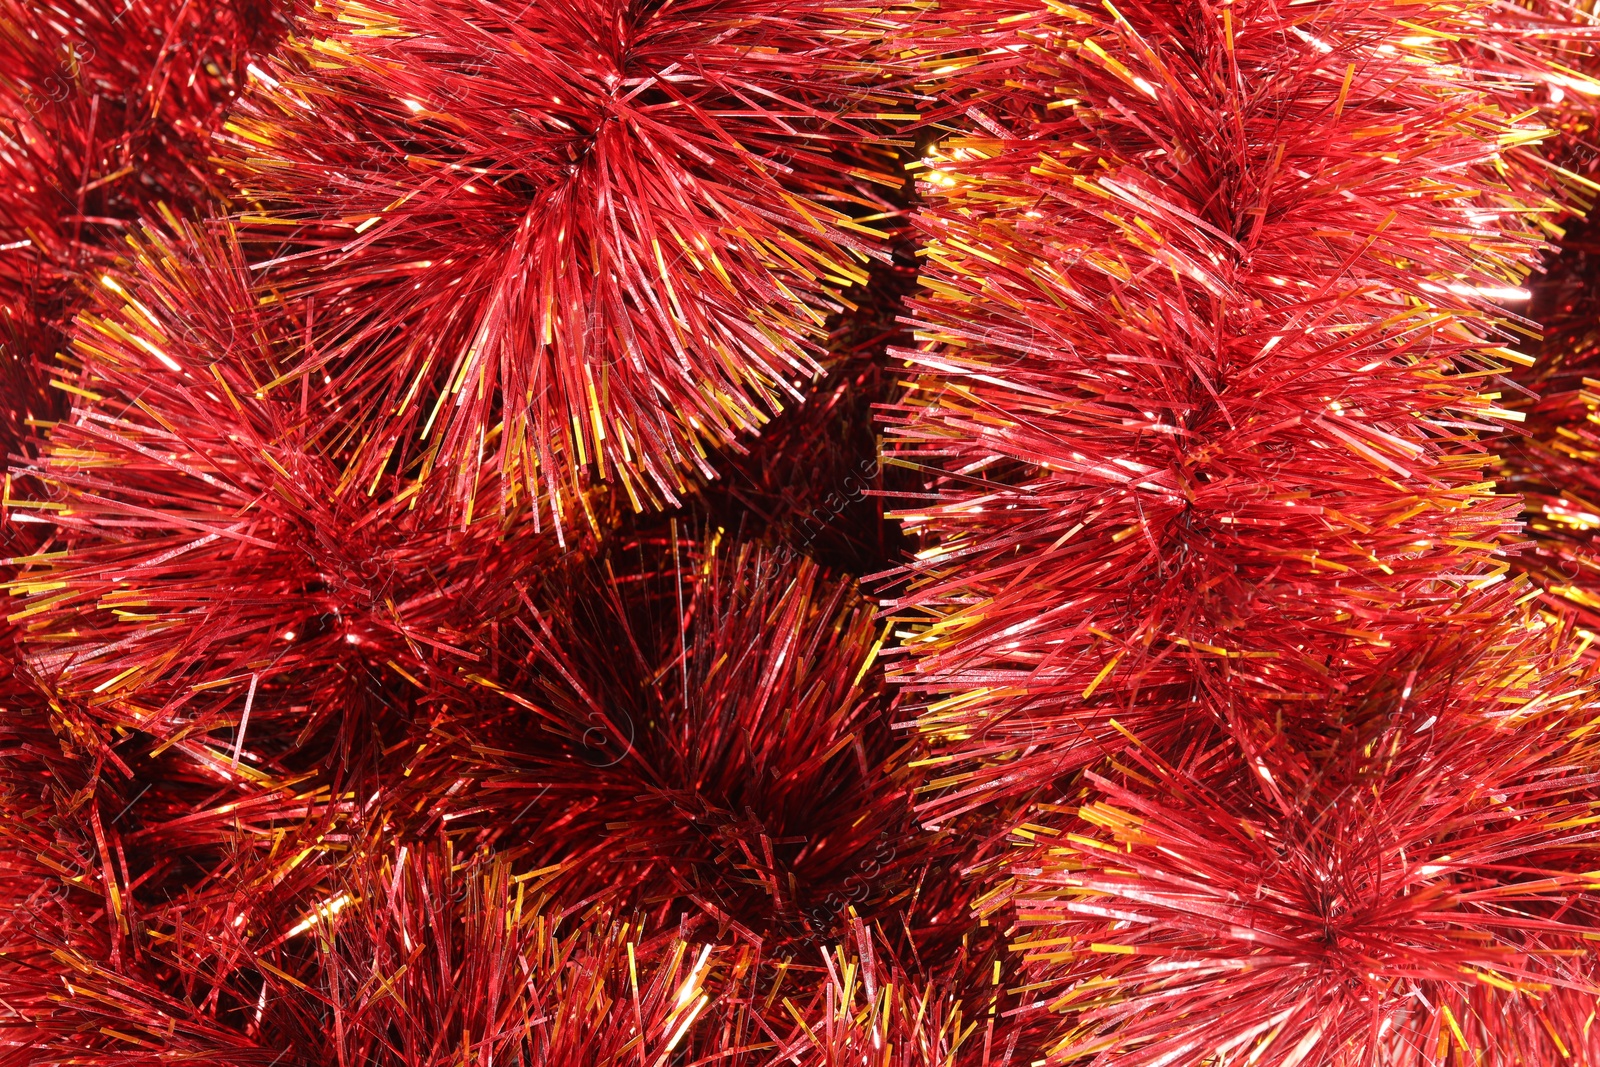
x,y
746,532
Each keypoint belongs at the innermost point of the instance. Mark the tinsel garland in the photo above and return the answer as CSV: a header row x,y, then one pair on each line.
x,y
735,532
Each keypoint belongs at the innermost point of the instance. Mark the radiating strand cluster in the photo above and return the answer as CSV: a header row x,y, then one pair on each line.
x,y
572,239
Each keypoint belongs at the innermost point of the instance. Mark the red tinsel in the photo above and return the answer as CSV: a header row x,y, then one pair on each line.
x,y
1420,878
106,111
1205,366
698,727
438,635
182,464
1553,466
610,234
